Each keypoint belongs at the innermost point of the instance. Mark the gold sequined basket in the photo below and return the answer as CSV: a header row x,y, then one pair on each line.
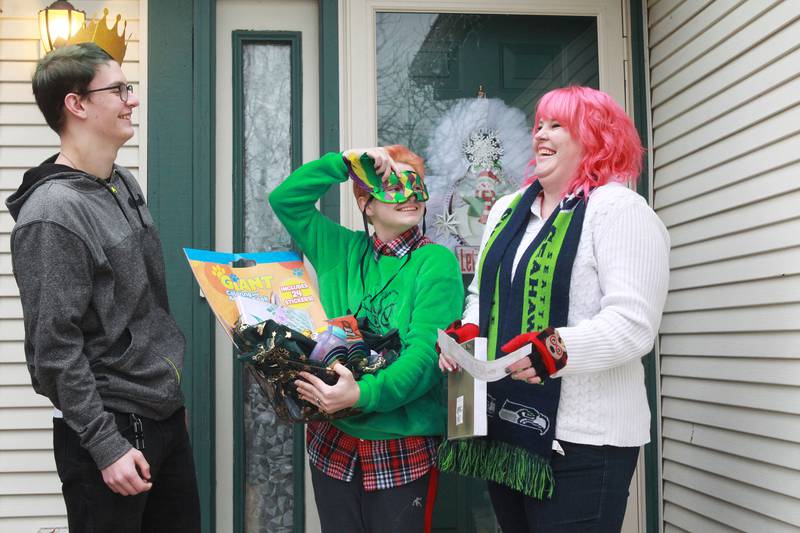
x,y
275,355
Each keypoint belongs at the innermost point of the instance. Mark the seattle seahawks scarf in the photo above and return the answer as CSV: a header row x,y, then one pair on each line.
x,y
521,416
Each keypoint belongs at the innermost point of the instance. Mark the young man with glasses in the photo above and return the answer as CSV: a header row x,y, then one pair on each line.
x,y
100,342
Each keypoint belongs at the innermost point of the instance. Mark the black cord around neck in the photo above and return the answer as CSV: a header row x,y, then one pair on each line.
x,y
391,279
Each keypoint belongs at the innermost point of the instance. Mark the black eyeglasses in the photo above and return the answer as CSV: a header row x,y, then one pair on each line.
x,y
124,89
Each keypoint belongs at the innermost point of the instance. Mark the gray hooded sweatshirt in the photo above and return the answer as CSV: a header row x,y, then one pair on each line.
x,y
98,332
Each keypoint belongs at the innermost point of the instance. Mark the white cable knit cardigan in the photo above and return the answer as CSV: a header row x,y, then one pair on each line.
x,y
617,293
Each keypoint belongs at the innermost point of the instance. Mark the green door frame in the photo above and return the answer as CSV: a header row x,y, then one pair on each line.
x,y
329,94
239,39
642,120
180,191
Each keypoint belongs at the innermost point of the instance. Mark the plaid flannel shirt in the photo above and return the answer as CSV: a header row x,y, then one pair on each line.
x,y
384,463
407,241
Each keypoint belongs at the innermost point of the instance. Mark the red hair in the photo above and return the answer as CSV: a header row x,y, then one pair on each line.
x,y
612,150
402,154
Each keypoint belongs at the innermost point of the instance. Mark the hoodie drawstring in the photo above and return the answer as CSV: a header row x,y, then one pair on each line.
x,y
134,202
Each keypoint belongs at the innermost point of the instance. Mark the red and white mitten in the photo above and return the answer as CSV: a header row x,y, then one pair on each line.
x,y
548,354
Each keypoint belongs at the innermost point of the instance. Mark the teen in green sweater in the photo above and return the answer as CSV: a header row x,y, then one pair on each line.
x,y
369,468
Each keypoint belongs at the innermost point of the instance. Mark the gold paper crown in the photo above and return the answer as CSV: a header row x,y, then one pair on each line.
x,y
97,32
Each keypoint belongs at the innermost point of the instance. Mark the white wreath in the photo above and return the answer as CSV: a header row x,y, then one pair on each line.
x,y
476,134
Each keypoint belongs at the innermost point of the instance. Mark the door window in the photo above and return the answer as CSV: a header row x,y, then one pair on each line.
x,y
266,139
460,90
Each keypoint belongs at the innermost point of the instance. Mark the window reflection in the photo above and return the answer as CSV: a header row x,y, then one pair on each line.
x,y
426,60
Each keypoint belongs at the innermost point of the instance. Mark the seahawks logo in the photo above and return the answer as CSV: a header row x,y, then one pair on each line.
x,y
524,416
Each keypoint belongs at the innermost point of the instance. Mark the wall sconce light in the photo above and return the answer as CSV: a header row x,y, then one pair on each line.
x,y
59,22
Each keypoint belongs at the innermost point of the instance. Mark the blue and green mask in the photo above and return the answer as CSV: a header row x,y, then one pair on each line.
x,y
396,189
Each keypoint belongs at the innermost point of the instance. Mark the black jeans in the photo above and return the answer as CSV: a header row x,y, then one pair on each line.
x,y
591,493
345,507
172,504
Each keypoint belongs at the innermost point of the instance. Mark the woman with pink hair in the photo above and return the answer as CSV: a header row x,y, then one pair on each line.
x,y
573,267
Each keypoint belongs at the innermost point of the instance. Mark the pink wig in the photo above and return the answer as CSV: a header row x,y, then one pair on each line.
x,y
611,147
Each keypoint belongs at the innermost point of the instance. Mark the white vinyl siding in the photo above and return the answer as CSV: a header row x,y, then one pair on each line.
x,y
725,98
30,492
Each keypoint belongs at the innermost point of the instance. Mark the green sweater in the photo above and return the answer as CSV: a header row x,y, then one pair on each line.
x,y
426,293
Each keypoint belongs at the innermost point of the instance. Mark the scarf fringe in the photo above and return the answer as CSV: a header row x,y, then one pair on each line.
x,y
500,462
